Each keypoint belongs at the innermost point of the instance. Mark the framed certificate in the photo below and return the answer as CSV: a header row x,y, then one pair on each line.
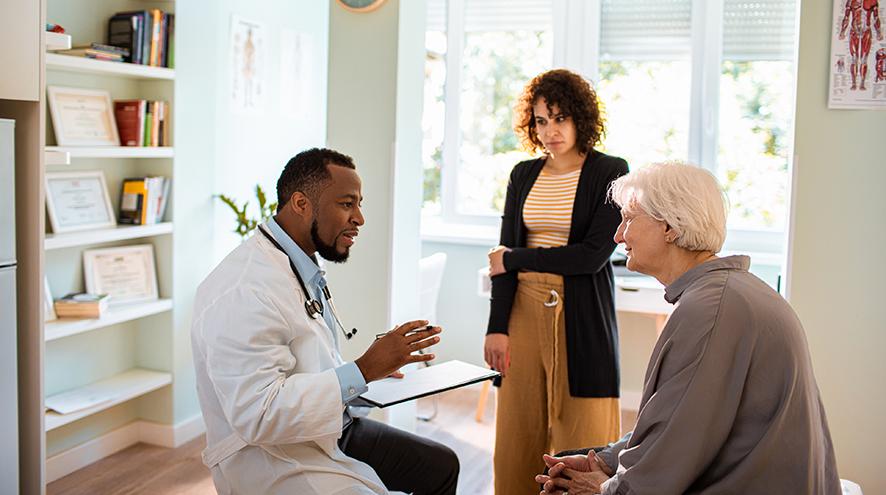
x,y
125,273
82,117
78,201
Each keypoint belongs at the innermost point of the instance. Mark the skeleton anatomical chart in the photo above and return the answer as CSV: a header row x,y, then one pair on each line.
x,y
858,56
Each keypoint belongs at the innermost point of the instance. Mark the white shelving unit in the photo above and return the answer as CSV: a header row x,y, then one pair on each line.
x,y
135,336
101,236
71,63
117,389
121,313
114,151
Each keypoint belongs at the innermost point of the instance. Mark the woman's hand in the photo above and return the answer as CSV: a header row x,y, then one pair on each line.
x,y
497,352
497,260
576,475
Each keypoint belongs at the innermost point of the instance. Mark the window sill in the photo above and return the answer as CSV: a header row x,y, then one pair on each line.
x,y
435,230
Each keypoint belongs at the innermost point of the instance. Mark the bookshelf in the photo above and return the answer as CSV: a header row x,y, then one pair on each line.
x,y
119,388
57,61
103,236
127,353
122,313
113,151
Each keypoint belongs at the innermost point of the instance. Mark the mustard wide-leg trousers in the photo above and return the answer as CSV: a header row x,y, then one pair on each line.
x,y
534,412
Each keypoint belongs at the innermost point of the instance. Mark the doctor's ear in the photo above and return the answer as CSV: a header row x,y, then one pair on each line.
x,y
300,204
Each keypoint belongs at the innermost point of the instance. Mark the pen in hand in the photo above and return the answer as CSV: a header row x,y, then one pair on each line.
x,y
429,327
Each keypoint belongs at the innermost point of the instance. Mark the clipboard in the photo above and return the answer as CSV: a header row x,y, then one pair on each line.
x,y
422,383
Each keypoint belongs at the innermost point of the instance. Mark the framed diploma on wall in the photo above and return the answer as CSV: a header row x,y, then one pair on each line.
x,y
82,117
78,201
125,273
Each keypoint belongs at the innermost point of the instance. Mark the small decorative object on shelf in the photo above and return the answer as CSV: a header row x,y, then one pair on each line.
x,y
82,306
245,224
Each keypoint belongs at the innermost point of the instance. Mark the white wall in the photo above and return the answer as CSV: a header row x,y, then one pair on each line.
x,y
233,150
376,63
838,270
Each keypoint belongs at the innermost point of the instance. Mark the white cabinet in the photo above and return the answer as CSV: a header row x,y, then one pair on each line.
x,y
20,37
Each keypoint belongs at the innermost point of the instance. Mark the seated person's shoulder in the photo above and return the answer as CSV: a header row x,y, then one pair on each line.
x,y
249,267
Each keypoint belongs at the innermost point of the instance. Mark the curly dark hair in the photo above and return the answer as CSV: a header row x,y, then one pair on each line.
x,y
574,97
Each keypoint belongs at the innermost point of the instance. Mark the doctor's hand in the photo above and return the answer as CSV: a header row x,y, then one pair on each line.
x,y
389,353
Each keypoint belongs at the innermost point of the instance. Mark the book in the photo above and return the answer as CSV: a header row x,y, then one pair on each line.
x,y
143,200
98,51
133,200
130,117
125,30
82,305
156,19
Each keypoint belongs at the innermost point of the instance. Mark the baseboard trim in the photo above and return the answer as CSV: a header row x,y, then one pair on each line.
x,y
170,436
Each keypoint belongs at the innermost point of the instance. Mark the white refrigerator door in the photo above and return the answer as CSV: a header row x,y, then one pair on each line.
x,y
8,384
7,193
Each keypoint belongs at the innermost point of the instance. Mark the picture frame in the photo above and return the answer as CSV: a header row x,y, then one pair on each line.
x,y
78,201
126,273
82,117
48,303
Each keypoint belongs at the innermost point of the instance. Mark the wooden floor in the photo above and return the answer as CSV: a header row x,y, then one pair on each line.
x,y
145,469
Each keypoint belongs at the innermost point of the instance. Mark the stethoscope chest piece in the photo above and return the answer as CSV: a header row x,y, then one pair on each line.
x,y
314,308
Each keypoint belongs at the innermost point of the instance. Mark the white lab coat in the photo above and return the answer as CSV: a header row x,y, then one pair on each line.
x,y
266,381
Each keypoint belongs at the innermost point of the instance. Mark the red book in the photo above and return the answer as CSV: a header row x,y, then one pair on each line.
x,y
130,116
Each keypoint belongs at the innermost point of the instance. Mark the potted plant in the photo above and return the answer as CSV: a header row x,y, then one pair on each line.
x,y
246,224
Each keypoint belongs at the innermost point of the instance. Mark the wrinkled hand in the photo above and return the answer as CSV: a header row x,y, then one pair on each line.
x,y
497,260
496,352
389,353
576,474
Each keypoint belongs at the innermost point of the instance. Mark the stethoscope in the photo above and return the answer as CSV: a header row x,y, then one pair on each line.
x,y
313,307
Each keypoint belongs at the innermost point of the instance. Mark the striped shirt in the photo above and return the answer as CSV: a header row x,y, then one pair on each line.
x,y
547,212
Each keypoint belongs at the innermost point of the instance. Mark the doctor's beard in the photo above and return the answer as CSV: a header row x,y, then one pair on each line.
x,y
327,251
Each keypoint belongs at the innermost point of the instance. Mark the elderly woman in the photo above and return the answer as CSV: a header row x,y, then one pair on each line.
x,y
730,403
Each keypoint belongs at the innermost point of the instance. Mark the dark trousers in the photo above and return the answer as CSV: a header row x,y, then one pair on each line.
x,y
404,462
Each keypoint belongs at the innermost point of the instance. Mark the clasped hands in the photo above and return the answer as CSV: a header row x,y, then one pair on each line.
x,y
497,260
574,474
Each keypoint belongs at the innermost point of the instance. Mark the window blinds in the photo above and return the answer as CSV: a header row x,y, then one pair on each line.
x,y
661,29
759,29
495,15
645,29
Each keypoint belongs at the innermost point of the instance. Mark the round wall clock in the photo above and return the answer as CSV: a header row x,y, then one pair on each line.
x,y
361,5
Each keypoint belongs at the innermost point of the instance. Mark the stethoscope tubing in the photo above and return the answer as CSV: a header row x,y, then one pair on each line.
x,y
313,307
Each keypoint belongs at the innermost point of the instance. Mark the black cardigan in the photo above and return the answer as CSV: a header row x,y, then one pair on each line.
x,y
589,299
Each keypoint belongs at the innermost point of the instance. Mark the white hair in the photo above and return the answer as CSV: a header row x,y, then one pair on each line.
x,y
686,197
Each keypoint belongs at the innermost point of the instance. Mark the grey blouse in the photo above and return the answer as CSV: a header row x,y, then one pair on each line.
x,y
730,403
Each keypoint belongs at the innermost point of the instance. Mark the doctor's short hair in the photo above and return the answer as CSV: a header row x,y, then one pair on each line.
x,y
686,197
306,172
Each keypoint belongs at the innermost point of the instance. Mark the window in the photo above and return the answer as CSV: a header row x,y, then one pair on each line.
x,y
708,81
480,54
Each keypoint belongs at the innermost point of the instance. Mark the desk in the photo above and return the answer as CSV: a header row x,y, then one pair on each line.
x,y
634,293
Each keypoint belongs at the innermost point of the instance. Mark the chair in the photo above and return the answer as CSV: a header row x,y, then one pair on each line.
x,y
430,277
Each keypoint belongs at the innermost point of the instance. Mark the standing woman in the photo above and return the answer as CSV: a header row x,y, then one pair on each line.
x,y
552,331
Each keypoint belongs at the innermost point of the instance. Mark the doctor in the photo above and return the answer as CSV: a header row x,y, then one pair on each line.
x,y
272,385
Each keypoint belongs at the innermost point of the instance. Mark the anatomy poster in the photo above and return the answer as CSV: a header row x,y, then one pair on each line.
x,y
858,56
247,64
